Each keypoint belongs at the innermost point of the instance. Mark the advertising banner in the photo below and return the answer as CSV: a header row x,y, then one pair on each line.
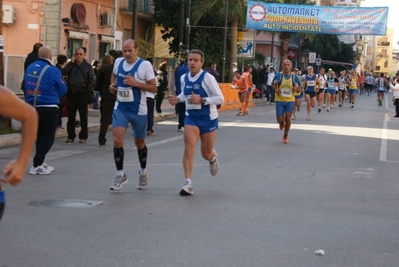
x,y
317,19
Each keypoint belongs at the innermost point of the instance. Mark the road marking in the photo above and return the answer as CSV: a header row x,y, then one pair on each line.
x,y
165,141
384,139
63,154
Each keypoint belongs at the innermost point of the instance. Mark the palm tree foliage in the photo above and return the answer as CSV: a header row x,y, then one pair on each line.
x,y
207,24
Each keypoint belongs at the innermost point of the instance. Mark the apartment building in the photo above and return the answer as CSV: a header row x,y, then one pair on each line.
x,y
98,25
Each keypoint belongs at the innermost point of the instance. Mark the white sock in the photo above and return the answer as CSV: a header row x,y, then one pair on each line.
x,y
143,170
120,173
187,181
213,159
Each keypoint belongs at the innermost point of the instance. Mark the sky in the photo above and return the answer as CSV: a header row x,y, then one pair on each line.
x,y
392,13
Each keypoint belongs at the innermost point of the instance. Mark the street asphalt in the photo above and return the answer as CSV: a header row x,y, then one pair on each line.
x,y
333,188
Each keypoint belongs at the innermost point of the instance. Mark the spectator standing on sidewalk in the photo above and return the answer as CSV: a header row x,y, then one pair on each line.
x,y
32,57
150,103
80,82
44,87
180,107
395,88
162,87
269,91
61,63
211,68
107,100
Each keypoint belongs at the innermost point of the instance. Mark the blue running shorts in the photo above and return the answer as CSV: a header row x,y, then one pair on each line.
x,y
205,126
283,107
138,122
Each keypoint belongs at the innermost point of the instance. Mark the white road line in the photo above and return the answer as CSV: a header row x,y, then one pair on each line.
x,y
384,137
63,154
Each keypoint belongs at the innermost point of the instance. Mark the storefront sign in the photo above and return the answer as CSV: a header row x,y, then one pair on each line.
x,y
317,19
78,12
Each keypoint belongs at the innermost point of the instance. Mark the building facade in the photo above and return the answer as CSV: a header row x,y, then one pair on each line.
x,y
97,25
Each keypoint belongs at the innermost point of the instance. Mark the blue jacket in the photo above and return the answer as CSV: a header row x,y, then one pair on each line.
x,y
180,71
52,87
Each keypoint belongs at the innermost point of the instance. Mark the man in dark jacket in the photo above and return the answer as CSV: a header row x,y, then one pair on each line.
x,y
107,101
61,63
211,68
45,100
32,57
80,82
180,107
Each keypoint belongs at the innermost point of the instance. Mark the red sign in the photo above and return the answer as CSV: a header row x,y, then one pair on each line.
x,y
291,54
78,12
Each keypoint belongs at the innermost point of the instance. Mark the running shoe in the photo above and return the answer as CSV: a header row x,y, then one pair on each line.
x,y
187,189
214,166
324,105
48,167
39,170
352,105
319,110
285,139
282,126
180,129
340,105
309,119
328,110
293,117
118,182
298,108
143,182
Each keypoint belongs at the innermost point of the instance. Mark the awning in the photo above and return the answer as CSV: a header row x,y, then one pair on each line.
x,y
330,62
106,38
77,35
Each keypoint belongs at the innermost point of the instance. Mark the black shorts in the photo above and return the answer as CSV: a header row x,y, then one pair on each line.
x,y
320,91
310,93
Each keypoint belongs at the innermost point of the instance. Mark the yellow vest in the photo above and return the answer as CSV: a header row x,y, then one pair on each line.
x,y
286,89
353,84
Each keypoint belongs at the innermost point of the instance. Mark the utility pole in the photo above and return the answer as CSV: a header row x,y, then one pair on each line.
x,y
226,10
181,29
134,19
188,11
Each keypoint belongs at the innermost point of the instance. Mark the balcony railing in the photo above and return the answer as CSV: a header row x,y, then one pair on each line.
x,y
144,6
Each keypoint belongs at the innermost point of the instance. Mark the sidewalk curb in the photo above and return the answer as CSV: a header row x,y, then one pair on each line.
x,y
8,140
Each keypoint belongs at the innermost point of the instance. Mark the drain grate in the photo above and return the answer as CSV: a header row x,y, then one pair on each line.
x,y
66,203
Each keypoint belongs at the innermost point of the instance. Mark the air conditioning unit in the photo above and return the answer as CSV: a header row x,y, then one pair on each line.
x,y
8,14
107,19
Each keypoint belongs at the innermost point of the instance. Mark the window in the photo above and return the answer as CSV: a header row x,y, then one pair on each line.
x,y
103,50
73,44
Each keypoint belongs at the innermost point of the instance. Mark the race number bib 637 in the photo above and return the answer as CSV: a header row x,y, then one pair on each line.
x,y
125,94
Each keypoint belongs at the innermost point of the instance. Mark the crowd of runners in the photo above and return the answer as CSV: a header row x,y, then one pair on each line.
x,y
287,88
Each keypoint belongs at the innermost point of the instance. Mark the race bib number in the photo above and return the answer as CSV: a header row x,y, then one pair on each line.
x,y
190,105
342,87
331,85
353,84
125,94
310,83
286,92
